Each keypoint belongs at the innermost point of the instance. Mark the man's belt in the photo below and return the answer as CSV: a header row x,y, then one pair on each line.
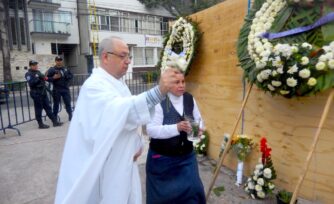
x,y
175,146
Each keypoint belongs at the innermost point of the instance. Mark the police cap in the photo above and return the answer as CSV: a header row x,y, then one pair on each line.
x,y
58,58
32,62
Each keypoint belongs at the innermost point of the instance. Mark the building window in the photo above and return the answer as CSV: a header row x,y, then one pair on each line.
x,y
23,31
12,4
104,23
164,26
65,17
119,21
149,56
138,56
21,3
13,28
128,24
114,23
52,22
143,56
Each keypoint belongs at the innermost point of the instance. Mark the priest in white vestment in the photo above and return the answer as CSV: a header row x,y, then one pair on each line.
x,y
98,163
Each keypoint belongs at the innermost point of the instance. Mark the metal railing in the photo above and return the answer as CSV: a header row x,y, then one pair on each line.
x,y
17,107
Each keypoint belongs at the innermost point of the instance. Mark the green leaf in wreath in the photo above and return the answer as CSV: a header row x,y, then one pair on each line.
x,y
297,18
281,19
315,37
325,81
328,29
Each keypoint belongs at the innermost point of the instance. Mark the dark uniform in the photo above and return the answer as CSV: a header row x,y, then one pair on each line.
x,y
61,88
36,81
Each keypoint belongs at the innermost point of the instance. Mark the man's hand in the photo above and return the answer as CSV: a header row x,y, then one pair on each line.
x,y
168,80
137,154
56,76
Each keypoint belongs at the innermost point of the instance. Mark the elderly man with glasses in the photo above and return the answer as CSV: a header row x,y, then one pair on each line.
x,y
103,142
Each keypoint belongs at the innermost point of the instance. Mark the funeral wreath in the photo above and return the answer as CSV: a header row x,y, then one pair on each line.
x,y
283,59
180,44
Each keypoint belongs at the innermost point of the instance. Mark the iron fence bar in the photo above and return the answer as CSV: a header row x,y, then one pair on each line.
x,y
136,82
28,102
14,101
1,118
21,100
10,126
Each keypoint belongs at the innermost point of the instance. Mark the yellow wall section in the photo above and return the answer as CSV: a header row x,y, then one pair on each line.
x,y
289,125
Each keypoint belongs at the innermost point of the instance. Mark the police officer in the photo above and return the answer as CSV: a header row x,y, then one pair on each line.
x,y
61,86
36,81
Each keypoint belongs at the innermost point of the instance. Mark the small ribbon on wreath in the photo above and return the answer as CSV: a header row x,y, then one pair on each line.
x,y
323,20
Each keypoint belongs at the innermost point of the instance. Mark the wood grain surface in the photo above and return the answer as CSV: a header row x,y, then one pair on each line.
x,y
289,124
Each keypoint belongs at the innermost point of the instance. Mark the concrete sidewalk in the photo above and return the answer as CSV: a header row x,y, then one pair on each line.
x,y
30,164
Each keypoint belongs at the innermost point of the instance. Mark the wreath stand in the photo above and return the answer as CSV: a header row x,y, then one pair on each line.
x,y
308,160
313,146
228,143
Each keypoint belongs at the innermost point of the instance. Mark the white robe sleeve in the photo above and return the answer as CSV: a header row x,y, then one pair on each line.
x,y
101,118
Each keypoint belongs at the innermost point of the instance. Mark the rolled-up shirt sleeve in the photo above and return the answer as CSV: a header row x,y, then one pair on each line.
x,y
156,130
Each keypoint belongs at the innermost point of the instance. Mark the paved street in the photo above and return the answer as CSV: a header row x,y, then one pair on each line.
x,y
30,163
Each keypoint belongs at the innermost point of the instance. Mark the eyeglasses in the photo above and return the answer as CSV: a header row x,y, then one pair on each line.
x,y
123,57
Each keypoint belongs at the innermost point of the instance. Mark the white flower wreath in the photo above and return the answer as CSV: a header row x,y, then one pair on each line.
x,y
180,45
285,69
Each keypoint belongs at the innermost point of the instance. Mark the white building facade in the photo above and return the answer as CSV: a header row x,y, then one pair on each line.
x,y
43,29
142,28
54,31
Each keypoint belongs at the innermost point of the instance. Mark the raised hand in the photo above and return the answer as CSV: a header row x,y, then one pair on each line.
x,y
168,80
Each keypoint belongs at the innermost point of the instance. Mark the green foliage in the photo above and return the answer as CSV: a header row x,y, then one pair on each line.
x,y
328,29
177,45
218,190
181,7
293,17
149,77
284,196
325,81
246,62
281,19
289,17
242,146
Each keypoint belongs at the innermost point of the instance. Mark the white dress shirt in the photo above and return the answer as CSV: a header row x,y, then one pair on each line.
x,y
156,130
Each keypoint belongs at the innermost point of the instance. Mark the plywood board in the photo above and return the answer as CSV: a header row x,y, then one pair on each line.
x,y
216,82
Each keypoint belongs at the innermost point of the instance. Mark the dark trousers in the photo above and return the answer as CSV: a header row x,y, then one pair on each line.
x,y
41,101
57,95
